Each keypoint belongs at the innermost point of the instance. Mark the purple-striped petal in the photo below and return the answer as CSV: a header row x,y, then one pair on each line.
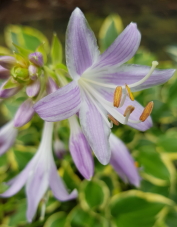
x,y
19,181
36,187
61,104
122,49
24,113
95,130
122,161
8,135
51,86
80,150
6,93
33,88
57,186
4,73
81,46
33,72
129,74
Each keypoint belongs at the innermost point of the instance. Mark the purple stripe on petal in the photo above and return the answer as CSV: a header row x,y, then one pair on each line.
x,y
81,46
36,187
80,150
8,135
129,74
95,130
4,73
122,49
24,113
57,186
61,104
33,88
122,161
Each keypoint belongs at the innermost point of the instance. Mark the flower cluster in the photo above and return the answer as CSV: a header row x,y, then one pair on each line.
x,y
100,95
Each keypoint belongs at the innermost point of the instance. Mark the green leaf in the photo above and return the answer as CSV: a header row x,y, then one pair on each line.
x,y
56,219
110,29
24,52
25,37
135,208
10,84
56,50
153,166
81,218
93,194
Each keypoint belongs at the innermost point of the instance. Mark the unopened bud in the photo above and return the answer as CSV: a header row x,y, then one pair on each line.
x,y
6,93
33,72
7,62
33,88
24,113
4,73
20,74
36,58
51,86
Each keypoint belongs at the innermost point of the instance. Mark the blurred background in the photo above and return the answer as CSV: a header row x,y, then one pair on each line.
x,y
106,201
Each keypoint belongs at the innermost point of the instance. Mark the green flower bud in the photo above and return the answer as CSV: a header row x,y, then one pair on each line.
x,y
20,74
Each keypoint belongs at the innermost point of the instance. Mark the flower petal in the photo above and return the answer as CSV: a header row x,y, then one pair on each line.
x,y
57,186
4,73
36,187
80,150
129,74
122,161
81,46
61,104
33,88
95,130
19,181
8,135
24,113
122,49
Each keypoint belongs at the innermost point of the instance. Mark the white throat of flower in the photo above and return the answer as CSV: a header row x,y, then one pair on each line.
x,y
110,107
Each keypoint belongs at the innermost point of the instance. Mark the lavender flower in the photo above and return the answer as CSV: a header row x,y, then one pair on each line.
x,y
122,161
7,62
101,85
24,113
33,88
8,135
39,175
59,148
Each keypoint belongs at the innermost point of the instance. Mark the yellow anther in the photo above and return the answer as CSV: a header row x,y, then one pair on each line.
x,y
147,111
114,121
129,92
129,110
117,96
136,164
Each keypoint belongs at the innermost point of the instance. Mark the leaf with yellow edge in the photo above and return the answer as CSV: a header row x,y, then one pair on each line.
x,y
56,219
110,29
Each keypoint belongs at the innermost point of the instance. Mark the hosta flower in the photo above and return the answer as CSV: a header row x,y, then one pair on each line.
x,y
39,175
101,86
8,135
123,162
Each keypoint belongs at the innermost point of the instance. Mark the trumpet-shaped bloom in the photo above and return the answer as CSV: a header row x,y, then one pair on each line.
x,y
95,78
8,135
123,162
40,174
